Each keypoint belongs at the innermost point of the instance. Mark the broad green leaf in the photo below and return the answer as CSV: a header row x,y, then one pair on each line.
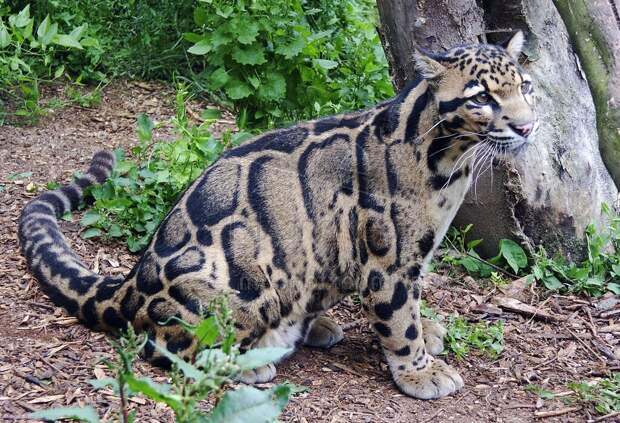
x,y
219,78
207,331
78,31
201,15
22,19
513,253
155,391
220,37
252,55
224,11
274,87
192,37
237,90
202,47
5,38
206,358
86,414
91,233
325,64
211,114
614,287
293,49
66,40
240,137
254,81
248,404
90,218
258,357
246,33
145,127
59,71
47,31
552,283
115,231
187,369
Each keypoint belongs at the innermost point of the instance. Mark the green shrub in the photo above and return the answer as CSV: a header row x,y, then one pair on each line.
x,y
34,50
597,274
135,199
286,60
138,38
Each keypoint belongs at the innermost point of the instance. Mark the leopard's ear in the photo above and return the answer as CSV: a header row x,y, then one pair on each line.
x,y
427,66
514,45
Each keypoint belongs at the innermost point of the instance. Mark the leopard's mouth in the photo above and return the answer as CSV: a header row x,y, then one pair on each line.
x,y
509,146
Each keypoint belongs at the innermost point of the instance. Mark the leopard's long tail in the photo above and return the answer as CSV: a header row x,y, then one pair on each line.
x,y
61,273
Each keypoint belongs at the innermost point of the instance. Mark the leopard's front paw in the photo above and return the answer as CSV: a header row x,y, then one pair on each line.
x,y
260,375
436,380
433,334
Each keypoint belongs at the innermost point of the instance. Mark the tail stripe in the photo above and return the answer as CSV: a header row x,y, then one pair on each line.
x,y
60,272
74,194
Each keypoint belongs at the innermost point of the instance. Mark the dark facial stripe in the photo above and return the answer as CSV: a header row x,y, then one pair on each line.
x,y
451,105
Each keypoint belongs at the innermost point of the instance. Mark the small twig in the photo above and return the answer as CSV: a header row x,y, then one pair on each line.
x,y
591,324
29,378
544,363
606,416
553,413
586,346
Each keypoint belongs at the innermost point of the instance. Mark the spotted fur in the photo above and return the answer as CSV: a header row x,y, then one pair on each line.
x,y
295,220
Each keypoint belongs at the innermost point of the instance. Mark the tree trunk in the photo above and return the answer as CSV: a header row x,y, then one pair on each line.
x,y
594,28
549,193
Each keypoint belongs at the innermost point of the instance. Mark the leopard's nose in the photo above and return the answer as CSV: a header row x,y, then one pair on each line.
x,y
523,130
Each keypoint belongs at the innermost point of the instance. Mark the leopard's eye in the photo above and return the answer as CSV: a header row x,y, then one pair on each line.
x,y
482,98
526,87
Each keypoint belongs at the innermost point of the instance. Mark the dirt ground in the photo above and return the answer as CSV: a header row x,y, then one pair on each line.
x,y
47,358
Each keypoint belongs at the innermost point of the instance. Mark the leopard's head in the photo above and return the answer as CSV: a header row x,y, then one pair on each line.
x,y
482,94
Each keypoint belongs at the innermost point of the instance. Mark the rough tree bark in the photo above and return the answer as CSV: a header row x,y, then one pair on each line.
x,y
594,28
551,191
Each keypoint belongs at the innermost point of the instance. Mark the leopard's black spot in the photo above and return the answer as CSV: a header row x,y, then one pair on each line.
x,y
411,332
131,303
113,319
172,235
383,329
425,244
147,277
403,351
375,280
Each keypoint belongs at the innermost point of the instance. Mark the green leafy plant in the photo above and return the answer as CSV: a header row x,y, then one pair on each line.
x,y
511,256
134,200
603,394
539,391
215,365
463,336
597,274
34,50
286,60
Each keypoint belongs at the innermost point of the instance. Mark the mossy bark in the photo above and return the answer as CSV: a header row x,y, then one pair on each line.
x,y
597,61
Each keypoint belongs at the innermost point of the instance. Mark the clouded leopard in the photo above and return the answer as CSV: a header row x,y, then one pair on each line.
x,y
295,220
